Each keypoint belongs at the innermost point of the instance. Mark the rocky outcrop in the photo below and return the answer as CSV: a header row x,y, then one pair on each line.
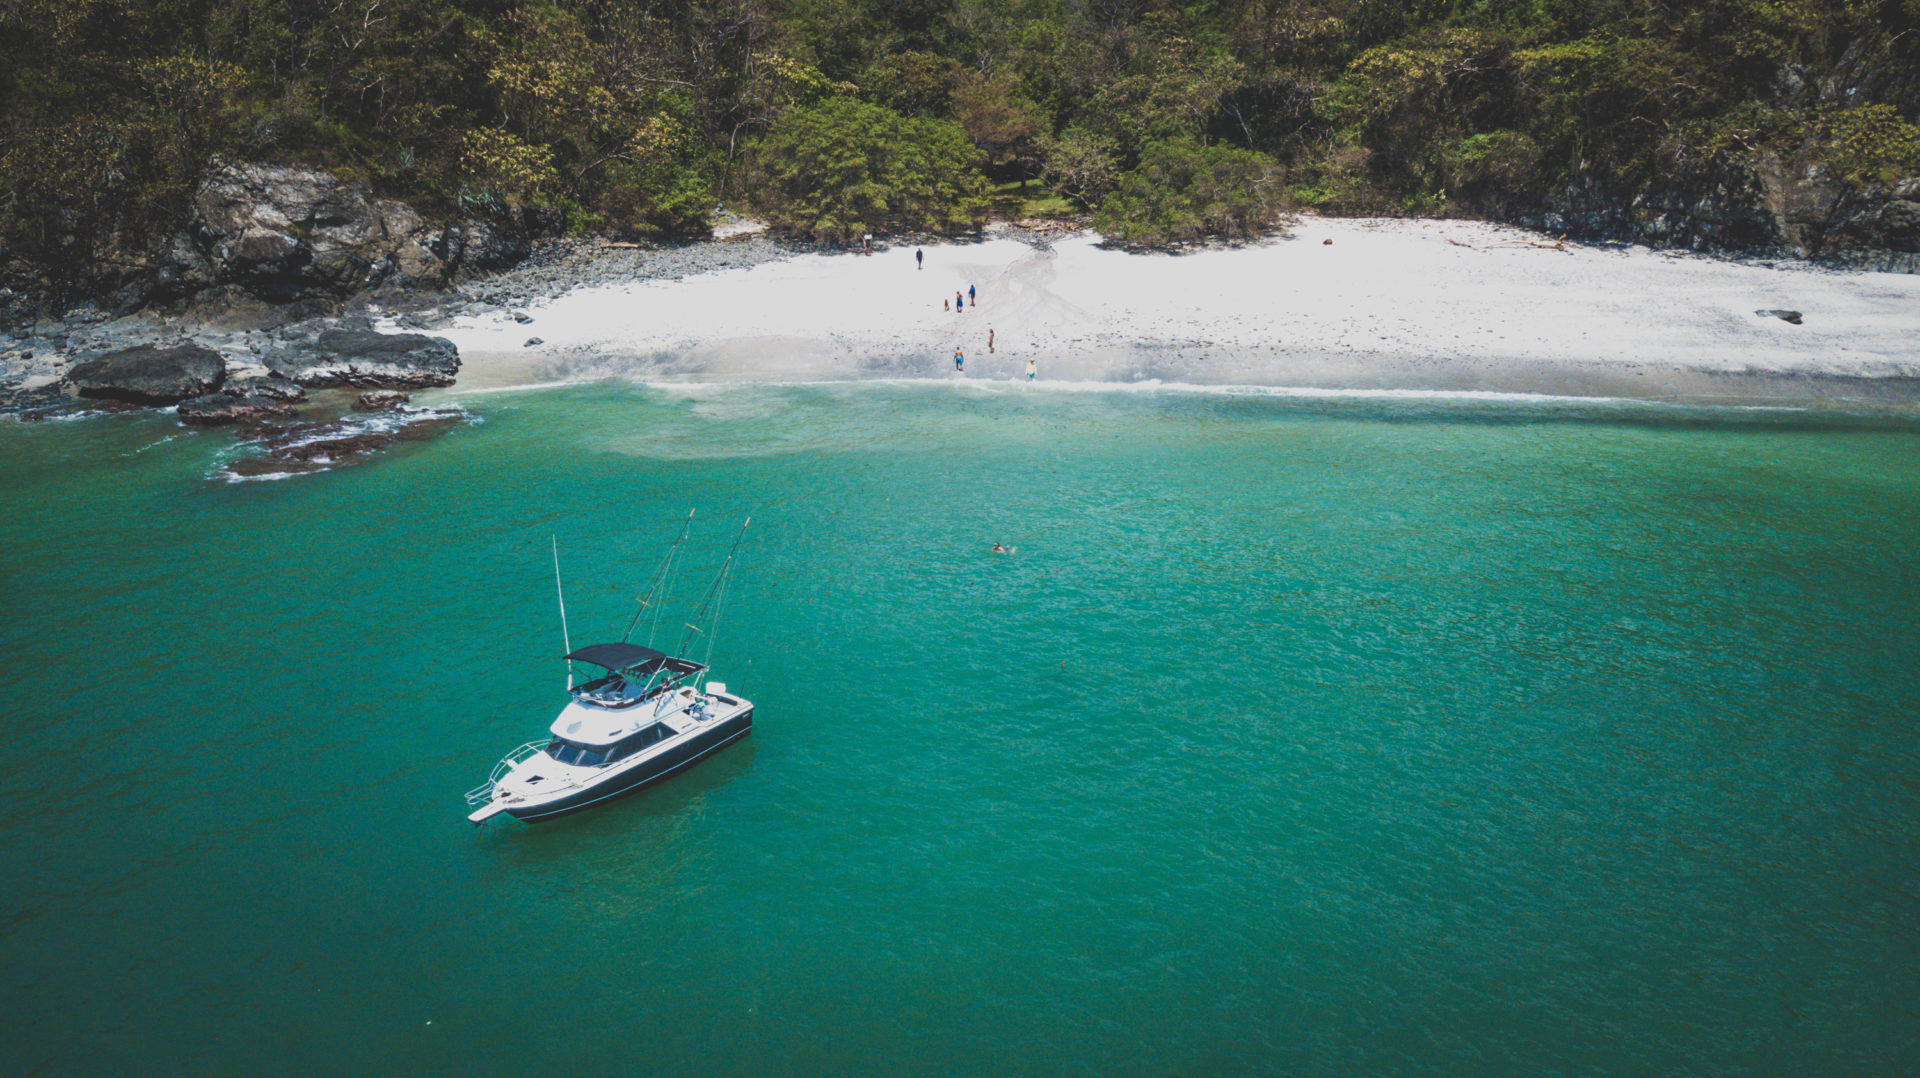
x,y
217,409
257,237
380,400
150,374
476,247
284,234
1764,206
369,360
271,387
310,447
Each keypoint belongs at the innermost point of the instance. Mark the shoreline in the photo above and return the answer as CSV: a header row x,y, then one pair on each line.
x,y
1330,304
1443,306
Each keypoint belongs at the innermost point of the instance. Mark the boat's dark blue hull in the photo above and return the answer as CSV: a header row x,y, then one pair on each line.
x,y
709,740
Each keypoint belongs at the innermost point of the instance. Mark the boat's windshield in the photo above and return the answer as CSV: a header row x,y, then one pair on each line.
x,y
568,752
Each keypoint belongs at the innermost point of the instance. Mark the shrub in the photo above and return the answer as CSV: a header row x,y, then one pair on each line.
x,y
1182,191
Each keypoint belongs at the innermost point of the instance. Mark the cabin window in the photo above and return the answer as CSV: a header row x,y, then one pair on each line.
x,y
650,736
567,752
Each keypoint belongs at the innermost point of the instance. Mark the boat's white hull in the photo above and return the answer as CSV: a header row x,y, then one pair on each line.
x,y
626,777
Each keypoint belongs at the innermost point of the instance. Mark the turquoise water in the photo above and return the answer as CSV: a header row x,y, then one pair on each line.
x,y
1298,736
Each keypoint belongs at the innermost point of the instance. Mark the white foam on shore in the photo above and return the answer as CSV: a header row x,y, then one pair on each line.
x,y
78,414
1387,303
1004,387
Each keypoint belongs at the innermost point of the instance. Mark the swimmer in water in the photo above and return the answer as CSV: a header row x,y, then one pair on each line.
x,y
998,549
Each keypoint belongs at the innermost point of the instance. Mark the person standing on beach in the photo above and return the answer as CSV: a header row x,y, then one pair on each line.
x,y
919,259
970,296
959,300
959,360
944,305
1030,370
989,340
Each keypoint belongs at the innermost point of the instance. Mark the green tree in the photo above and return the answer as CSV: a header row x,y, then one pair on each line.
x,y
1182,191
842,167
999,119
1082,165
195,96
499,162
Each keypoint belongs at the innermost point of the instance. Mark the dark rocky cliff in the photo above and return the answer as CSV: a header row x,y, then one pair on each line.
x,y
1780,199
1762,206
261,236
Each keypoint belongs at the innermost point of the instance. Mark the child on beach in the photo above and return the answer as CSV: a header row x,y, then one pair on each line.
x,y
1030,370
989,340
945,306
959,360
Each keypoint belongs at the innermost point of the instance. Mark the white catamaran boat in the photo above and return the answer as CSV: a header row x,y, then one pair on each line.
x,y
644,717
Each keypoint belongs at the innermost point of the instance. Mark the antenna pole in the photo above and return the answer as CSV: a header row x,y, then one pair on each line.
x,y
565,636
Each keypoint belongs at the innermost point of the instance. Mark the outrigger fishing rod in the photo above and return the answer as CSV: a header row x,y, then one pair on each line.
x,y
713,589
659,578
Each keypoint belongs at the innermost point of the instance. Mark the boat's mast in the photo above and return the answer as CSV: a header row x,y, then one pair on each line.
x,y
712,590
565,636
659,578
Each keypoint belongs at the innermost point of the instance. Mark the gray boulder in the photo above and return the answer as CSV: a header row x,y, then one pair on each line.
x,y
216,409
150,374
370,360
270,387
380,400
286,233
1784,316
476,247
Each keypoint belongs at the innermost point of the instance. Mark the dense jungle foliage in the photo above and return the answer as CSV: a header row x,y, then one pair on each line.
x,y
1164,120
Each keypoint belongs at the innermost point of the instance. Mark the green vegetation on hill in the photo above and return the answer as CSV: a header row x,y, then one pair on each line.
x,y
1165,120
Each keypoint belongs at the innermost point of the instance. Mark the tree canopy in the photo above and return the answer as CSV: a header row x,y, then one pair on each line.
x,y
844,167
638,117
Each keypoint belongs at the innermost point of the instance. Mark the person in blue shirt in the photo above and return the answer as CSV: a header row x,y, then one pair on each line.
x,y
970,296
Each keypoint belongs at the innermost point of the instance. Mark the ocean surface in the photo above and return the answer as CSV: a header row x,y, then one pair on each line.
x,y
1299,735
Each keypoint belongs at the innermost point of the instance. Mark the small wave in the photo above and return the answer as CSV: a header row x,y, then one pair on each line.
x,y
78,414
695,388
1018,384
480,391
152,445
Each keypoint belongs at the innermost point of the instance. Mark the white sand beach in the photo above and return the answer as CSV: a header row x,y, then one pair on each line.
x,y
1410,305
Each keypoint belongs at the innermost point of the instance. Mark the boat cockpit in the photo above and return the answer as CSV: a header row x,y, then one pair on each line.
x,y
633,673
